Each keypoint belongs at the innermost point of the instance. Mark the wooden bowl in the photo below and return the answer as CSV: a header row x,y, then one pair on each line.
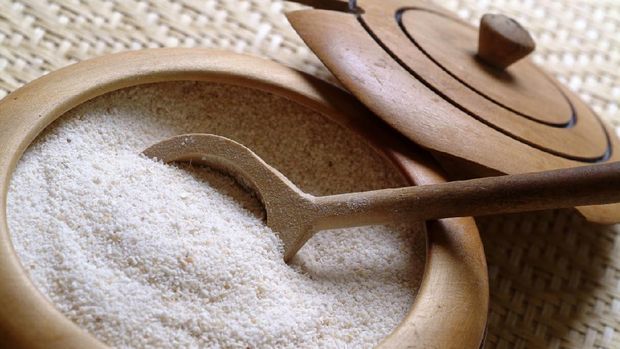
x,y
450,309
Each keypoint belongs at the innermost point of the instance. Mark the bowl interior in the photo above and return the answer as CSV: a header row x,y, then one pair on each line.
x,y
316,153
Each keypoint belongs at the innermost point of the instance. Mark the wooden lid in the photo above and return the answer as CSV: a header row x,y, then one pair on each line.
x,y
448,87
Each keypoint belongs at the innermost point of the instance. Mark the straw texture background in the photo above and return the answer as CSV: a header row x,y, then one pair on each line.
x,y
555,280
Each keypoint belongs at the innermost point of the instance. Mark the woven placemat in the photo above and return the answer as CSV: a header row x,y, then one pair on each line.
x,y
555,279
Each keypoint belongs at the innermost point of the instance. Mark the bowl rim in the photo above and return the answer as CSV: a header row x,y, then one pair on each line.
x,y
450,309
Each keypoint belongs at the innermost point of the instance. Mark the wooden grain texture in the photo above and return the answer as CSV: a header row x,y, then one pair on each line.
x,y
454,294
374,58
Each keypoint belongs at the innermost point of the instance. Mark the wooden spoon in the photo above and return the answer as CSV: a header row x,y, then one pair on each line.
x,y
295,215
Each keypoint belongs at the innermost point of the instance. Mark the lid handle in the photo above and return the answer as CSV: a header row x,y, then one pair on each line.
x,y
502,41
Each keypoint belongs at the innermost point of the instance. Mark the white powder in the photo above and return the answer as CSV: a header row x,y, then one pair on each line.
x,y
144,254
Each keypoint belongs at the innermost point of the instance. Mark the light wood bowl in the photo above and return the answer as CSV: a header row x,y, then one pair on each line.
x,y
450,309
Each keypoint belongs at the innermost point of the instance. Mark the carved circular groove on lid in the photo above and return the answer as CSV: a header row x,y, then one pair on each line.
x,y
521,88
521,102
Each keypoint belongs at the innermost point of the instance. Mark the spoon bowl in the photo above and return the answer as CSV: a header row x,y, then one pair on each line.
x,y
289,211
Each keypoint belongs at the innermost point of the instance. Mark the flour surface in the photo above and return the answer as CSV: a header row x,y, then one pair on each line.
x,y
144,254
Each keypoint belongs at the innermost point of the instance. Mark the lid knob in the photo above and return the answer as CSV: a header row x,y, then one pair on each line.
x,y
502,41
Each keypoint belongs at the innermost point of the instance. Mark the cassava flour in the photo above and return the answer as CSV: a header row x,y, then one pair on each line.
x,y
144,254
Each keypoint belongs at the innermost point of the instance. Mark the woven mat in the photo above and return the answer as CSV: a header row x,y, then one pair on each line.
x,y
555,280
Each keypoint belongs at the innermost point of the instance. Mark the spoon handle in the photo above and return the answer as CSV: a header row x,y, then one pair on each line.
x,y
579,186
